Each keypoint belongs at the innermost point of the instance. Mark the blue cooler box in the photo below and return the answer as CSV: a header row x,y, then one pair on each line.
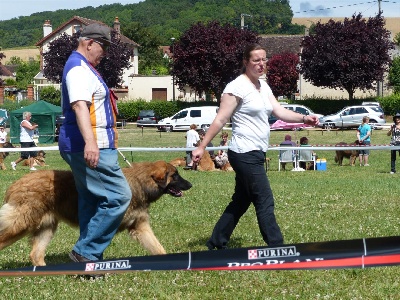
x,y
321,164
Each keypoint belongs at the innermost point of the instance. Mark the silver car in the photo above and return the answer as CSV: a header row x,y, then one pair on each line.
x,y
351,116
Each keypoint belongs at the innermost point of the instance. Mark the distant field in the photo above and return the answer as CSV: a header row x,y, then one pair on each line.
x,y
392,24
24,54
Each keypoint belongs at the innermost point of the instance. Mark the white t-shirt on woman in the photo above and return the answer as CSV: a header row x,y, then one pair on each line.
x,y
250,127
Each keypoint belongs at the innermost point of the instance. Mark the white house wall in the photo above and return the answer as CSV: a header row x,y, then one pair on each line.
x,y
141,87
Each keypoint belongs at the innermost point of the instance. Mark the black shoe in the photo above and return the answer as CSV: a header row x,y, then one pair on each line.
x,y
187,168
75,257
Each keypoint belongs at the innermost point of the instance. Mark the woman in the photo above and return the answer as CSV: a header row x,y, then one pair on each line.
x,y
27,130
248,102
394,131
364,138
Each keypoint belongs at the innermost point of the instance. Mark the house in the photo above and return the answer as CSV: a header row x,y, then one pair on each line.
x,y
70,27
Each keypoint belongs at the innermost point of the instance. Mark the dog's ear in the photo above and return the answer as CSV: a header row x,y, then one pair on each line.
x,y
160,173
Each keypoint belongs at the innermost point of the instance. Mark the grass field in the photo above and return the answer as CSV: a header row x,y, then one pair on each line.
x,y
341,203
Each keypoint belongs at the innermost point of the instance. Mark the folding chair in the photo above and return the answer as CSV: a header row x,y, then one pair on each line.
x,y
286,156
305,156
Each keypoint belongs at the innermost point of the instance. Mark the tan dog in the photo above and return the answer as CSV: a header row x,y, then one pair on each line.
x,y
37,202
350,154
3,155
205,163
39,160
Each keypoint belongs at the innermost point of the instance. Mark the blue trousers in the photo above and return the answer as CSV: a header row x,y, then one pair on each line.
x,y
252,187
103,197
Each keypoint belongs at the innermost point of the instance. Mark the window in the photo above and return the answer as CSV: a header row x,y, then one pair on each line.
x,y
180,115
196,113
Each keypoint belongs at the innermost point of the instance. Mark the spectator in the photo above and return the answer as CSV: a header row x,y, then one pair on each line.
x,y
222,158
27,130
364,138
394,131
192,138
303,164
288,142
3,135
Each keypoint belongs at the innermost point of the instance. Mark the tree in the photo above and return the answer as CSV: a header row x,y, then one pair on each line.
x,y
347,55
283,74
394,74
397,39
151,56
25,72
207,57
2,55
51,95
111,67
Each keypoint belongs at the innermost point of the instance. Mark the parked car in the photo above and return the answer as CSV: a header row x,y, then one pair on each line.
x,y
3,117
301,109
202,116
351,116
147,118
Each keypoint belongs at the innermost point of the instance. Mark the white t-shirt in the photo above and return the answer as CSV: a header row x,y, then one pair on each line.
x,y
3,136
192,137
26,135
250,127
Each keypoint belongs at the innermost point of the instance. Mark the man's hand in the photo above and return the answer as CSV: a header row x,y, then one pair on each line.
x,y
91,154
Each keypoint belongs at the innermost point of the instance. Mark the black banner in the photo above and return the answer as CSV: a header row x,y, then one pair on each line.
x,y
360,253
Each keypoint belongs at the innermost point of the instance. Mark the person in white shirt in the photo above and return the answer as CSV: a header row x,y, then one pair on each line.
x,y
26,140
3,135
248,102
192,138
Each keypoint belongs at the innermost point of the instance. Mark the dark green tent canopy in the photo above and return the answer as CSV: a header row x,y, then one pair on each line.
x,y
43,113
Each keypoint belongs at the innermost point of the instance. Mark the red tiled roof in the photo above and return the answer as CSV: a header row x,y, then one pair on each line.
x,y
278,44
4,71
83,21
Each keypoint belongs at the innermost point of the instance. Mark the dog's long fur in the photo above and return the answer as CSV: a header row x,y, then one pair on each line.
x,y
350,154
37,202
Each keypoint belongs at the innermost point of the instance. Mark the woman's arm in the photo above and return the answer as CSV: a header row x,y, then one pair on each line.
x,y
229,102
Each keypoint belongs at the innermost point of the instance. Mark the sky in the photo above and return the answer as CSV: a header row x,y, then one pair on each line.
x,y
343,8
301,8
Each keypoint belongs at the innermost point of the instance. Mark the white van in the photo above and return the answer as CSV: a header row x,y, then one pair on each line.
x,y
202,116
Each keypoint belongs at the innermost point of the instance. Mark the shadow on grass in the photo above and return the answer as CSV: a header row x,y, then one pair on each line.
x,y
233,243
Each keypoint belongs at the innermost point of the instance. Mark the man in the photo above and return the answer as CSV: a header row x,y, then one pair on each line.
x,y
88,142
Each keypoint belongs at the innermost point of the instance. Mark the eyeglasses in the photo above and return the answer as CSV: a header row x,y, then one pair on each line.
x,y
102,45
257,61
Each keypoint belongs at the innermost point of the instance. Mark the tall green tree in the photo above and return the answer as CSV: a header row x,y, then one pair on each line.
x,y
25,72
207,57
347,55
282,74
111,67
394,74
150,55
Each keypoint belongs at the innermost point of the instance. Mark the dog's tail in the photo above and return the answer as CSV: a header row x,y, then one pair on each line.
x,y
11,230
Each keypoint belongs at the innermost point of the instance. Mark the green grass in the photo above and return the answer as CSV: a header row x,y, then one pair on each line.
x,y
341,203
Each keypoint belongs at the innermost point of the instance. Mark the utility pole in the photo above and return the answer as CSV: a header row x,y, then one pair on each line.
x,y
242,19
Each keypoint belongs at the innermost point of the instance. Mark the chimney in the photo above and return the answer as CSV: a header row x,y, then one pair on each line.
x,y
47,29
117,28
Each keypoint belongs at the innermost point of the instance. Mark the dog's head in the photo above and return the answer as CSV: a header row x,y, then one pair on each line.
x,y
167,178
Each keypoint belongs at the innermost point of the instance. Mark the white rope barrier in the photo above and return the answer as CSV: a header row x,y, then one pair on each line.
x,y
180,149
